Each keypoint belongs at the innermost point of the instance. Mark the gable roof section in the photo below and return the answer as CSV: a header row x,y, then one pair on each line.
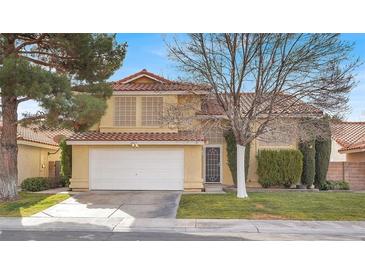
x,y
144,73
212,107
349,135
158,84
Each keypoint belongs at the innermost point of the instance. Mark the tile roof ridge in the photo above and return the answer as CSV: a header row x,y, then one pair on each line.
x,y
143,72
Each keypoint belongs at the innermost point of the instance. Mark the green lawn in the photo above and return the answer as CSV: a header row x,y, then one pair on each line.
x,y
270,206
29,204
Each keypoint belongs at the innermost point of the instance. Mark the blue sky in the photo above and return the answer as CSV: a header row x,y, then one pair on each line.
x,y
357,96
148,51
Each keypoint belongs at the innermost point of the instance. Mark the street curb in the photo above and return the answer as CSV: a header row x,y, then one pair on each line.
x,y
182,225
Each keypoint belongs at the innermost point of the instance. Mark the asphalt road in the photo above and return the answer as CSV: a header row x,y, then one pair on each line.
x,y
10,235
14,235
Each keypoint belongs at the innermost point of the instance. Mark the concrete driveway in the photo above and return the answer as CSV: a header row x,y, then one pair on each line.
x,y
117,204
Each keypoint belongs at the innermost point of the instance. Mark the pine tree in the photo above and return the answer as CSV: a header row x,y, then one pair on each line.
x,y
44,67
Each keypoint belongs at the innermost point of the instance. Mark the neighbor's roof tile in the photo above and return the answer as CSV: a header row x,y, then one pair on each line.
x,y
40,136
287,102
350,135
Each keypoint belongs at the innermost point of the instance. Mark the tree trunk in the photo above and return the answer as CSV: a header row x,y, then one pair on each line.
x,y
241,180
8,148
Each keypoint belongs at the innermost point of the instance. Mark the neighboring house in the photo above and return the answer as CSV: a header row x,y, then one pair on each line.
x,y
38,152
348,142
130,149
347,161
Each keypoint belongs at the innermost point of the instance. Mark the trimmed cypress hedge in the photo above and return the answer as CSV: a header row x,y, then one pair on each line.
x,y
232,155
66,161
323,153
279,167
308,150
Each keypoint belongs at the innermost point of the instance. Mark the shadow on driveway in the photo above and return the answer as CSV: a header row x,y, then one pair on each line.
x,y
117,204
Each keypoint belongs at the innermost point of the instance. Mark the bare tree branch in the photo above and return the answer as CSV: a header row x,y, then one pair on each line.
x,y
297,75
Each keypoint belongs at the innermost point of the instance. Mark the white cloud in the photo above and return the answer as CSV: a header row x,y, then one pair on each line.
x,y
30,106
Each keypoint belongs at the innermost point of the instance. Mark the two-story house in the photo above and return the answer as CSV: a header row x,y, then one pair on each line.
x,y
131,149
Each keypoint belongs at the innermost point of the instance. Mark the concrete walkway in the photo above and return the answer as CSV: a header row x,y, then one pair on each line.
x,y
183,225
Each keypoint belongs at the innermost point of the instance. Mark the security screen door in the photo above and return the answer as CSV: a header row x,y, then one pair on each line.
x,y
212,164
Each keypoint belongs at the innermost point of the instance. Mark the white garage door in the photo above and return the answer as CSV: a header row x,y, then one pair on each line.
x,y
136,169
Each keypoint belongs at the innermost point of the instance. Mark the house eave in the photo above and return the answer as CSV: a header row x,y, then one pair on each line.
x,y
174,143
351,151
37,144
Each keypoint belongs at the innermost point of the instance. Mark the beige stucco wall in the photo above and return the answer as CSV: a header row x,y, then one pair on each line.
x,y
33,160
192,165
55,156
345,157
355,157
80,167
227,175
335,155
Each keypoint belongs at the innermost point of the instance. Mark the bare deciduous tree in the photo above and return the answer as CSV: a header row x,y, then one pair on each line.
x,y
287,74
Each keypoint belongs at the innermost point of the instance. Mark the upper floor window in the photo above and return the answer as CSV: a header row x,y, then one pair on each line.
x,y
125,111
152,109
215,135
277,137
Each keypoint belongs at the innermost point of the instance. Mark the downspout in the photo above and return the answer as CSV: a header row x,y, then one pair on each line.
x,y
51,153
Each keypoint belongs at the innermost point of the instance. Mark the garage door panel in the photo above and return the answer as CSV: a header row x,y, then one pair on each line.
x,y
136,169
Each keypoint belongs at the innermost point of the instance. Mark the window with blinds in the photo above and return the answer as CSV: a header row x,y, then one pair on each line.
x,y
152,109
125,111
215,135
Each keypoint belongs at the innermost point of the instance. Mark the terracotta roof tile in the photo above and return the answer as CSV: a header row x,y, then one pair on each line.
x,y
350,135
358,145
158,87
40,136
136,136
28,134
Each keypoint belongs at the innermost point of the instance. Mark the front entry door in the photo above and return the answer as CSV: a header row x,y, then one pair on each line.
x,y
212,164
